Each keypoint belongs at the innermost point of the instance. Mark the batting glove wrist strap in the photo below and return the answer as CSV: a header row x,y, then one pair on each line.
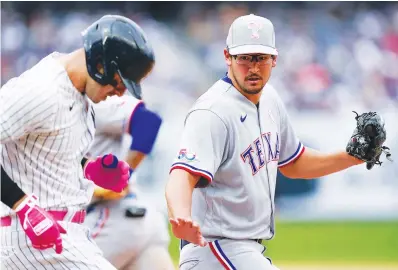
x,y
30,200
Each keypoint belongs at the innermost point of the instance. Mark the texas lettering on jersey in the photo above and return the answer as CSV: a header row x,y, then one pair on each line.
x,y
271,142
219,143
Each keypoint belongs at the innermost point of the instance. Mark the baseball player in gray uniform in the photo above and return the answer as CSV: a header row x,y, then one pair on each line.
x,y
127,228
47,125
221,189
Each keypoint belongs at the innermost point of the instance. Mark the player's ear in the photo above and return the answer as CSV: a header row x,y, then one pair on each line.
x,y
274,57
100,68
228,57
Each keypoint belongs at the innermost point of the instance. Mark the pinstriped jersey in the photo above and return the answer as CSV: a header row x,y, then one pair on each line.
x,y
236,147
46,127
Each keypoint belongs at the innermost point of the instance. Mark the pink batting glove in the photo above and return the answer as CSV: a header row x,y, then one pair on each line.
x,y
40,227
108,172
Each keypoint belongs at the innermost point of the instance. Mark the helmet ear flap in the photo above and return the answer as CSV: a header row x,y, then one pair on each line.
x,y
100,68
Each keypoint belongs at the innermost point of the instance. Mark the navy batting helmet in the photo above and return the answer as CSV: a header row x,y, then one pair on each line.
x,y
120,46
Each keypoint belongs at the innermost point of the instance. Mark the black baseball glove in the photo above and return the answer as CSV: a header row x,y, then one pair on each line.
x,y
366,143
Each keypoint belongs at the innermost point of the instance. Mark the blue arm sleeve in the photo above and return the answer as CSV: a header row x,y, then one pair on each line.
x,y
144,127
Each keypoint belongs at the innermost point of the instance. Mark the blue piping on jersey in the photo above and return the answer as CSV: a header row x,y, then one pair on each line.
x,y
227,80
298,151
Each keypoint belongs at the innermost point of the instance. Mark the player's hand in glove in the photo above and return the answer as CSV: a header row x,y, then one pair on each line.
x,y
187,229
366,143
40,227
108,172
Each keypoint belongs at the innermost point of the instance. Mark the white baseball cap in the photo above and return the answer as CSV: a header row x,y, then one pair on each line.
x,y
251,34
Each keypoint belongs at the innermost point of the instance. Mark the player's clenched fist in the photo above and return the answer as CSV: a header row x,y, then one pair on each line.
x,y
108,172
41,228
187,229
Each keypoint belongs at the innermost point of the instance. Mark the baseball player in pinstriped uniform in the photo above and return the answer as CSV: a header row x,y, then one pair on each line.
x,y
237,135
47,124
129,235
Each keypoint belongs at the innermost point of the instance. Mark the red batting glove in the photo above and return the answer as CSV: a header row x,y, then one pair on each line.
x,y
41,228
108,172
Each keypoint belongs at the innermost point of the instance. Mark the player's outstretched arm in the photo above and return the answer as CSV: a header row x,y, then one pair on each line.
x,y
179,191
313,164
365,145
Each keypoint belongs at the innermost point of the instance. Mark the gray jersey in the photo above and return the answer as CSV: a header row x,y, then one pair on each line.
x,y
237,149
112,120
46,127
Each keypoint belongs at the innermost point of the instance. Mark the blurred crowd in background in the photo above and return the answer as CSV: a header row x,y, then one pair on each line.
x,y
331,54
334,57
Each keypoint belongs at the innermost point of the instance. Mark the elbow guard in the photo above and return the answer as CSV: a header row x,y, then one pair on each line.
x,y
143,127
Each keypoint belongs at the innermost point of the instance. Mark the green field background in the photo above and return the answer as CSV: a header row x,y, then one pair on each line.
x,y
330,243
